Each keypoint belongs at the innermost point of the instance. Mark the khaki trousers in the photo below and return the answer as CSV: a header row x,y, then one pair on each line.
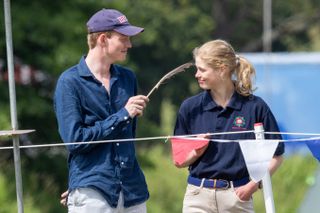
x,y
87,200
204,200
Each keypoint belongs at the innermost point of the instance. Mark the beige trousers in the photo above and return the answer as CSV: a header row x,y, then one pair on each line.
x,y
87,200
204,200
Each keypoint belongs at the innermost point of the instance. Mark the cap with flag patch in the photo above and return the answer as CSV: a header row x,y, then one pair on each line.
x,y
110,19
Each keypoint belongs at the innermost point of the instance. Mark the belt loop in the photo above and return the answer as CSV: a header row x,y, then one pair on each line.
x,y
231,185
202,182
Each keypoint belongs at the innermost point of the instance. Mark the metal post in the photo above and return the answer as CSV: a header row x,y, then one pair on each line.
x,y
266,180
267,39
13,105
267,25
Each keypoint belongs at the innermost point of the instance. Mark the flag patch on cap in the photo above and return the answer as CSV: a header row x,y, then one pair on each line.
x,y
122,19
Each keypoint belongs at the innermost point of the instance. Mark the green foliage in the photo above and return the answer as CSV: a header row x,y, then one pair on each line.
x,y
168,116
6,194
51,36
42,183
166,183
298,18
290,183
4,107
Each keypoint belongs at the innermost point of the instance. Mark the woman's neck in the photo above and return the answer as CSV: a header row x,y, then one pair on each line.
x,y
222,95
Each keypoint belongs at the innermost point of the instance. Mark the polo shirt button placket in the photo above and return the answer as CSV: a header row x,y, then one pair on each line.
x,y
219,126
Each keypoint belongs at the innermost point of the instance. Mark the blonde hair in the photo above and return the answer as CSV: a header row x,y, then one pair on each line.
x,y
93,37
219,52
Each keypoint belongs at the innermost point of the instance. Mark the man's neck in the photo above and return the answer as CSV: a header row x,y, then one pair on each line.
x,y
98,65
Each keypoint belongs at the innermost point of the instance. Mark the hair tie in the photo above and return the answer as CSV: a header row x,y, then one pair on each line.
x,y
237,60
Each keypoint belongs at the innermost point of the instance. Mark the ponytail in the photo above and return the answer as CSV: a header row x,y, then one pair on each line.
x,y
244,73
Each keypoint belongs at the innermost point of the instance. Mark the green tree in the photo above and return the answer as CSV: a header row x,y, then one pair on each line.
x,y
51,36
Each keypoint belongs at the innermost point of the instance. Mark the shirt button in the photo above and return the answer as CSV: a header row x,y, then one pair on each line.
x,y
120,182
125,118
112,128
128,122
117,144
122,163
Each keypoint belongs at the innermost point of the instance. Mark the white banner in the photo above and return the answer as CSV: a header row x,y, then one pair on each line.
x,y
257,155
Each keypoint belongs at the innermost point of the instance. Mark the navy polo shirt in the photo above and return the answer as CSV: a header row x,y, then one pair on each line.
x,y
200,114
86,112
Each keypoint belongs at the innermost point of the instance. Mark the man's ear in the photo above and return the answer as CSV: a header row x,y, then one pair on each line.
x,y
103,38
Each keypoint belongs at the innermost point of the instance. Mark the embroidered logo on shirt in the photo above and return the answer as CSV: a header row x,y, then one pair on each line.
x,y
239,123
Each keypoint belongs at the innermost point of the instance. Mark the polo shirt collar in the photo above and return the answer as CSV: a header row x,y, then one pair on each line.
x,y
235,101
84,70
208,103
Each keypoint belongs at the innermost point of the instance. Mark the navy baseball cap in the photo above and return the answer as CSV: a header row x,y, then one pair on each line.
x,y
110,19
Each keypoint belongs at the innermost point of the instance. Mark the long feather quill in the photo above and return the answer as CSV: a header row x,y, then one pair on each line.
x,y
173,72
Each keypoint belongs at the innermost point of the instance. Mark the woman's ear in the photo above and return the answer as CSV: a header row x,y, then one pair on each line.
x,y
223,71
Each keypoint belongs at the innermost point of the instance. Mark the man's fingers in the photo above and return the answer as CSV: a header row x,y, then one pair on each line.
x,y
64,194
63,202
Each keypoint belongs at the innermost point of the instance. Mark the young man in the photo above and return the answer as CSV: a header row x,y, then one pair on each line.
x,y
97,100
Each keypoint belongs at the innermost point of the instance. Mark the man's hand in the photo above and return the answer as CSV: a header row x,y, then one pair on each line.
x,y
63,198
136,105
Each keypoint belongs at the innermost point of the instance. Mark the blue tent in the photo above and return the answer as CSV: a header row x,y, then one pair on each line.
x,y
290,84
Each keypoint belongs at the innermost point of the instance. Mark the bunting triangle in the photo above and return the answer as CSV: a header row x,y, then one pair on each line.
x,y
314,147
181,147
257,155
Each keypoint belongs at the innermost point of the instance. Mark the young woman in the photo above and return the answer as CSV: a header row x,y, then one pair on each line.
x,y
219,180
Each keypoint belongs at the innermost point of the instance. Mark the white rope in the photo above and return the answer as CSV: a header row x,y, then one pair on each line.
x,y
168,137
121,140
292,133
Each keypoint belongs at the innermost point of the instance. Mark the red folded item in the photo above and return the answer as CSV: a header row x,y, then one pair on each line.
x,y
181,147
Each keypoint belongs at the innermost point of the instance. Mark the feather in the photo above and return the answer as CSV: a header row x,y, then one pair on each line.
x,y
173,72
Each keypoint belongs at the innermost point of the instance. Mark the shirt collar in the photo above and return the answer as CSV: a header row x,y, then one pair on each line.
x,y
84,70
208,103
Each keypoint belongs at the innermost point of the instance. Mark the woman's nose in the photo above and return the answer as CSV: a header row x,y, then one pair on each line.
x,y
197,74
